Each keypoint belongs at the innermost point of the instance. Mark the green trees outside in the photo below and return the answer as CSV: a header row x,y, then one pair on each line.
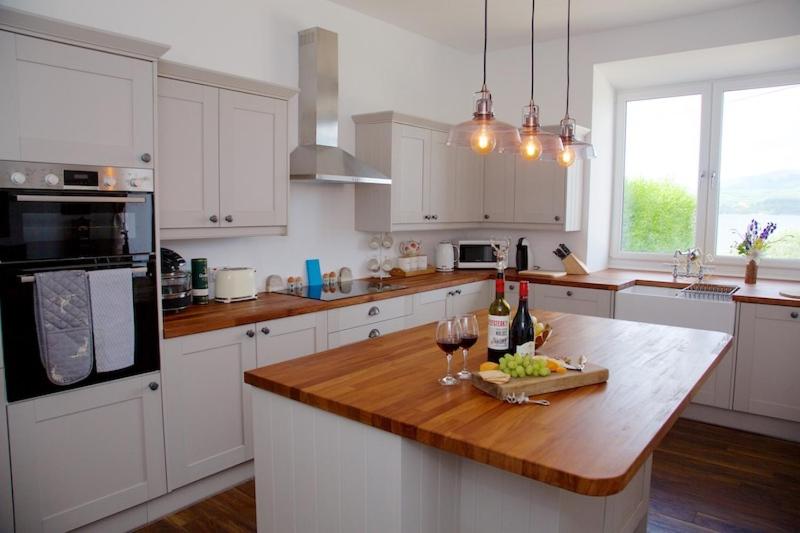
x,y
658,216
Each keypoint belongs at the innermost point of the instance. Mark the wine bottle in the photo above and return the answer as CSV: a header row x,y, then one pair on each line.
x,y
522,326
499,312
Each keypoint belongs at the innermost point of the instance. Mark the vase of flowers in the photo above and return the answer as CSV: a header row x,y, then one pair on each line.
x,y
753,244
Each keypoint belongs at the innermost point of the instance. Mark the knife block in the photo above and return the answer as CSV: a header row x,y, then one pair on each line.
x,y
573,265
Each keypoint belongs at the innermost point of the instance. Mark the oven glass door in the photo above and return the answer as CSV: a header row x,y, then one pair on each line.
x,y
476,253
25,374
37,225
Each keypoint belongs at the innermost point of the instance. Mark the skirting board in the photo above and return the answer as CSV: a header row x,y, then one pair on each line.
x,y
171,502
763,425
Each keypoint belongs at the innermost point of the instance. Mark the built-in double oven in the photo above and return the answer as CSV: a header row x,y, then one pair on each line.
x,y
72,217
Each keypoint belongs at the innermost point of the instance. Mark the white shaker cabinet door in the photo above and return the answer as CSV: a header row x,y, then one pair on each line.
x,y
291,337
253,160
86,454
540,192
68,104
498,187
411,158
207,416
188,151
468,185
768,361
442,183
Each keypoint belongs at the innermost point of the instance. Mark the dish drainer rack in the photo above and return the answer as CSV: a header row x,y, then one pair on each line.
x,y
709,291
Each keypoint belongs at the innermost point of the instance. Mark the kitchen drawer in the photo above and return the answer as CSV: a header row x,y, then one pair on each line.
x,y
361,333
575,300
368,313
778,312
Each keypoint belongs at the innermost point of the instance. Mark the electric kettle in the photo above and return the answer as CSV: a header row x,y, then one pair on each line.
x,y
445,256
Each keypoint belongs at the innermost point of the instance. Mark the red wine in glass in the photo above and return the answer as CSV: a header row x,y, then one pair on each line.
x,y
468,341
448,339
469,336
448,345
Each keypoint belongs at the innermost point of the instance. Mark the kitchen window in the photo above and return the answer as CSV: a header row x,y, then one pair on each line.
x,y
695,163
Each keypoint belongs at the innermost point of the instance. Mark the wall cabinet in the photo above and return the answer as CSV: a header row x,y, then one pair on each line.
x,y
82,455
499,173
223,154
574,300
70,104
768,361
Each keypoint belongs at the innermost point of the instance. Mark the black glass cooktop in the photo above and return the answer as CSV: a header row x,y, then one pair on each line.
x,y
341,290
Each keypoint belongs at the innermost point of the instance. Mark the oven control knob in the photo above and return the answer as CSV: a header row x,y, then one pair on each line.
x,y
18,178
51,179
109,181
135,182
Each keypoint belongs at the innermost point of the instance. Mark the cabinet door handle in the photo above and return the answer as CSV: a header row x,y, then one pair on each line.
x,y
213,218
374,333
153,385
435,217
374,311
569,293
485,217
557,218
265,330
794,314
229,218
427,217
146,158
458,291
251,333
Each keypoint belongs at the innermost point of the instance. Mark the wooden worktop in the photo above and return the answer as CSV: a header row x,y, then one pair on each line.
x,y
591,440
201,318
270,306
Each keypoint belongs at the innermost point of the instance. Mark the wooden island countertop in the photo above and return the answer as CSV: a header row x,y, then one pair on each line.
x,y
590,440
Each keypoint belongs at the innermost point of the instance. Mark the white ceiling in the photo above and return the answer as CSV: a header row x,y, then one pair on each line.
x,y
459,23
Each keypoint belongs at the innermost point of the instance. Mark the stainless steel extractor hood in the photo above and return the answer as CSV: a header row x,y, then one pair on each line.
x,y
319,158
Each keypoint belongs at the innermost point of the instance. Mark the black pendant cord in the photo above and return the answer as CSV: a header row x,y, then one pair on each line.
x,y
533,15
569,17
485,32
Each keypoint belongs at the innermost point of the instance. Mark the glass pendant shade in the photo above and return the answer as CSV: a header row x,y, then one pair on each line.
x,y
535,143
573,148
484,133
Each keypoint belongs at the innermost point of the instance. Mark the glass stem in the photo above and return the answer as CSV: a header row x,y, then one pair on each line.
x,y
466,352
449,358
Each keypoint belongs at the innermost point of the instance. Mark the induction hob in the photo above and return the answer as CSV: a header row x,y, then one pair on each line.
x,y
341,290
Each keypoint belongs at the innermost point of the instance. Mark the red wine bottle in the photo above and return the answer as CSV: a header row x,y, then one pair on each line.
x,y
499,311
522,326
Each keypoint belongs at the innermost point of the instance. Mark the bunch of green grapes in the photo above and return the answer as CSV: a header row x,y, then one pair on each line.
x,y
519,366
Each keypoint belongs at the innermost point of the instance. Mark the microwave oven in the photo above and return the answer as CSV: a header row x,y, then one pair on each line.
x,y
476,254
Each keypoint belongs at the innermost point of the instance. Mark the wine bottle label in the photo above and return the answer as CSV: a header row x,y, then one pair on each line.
x,y
498,332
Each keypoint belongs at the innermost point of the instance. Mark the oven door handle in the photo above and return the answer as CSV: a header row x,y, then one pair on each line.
x,y
80,199
31,279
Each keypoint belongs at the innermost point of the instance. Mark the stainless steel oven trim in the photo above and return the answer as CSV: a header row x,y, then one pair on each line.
x,y
31,279
80,199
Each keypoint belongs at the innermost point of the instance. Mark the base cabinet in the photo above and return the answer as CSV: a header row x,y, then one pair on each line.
x,y
206,404
431,306
82,455
768,361
291,337
573,300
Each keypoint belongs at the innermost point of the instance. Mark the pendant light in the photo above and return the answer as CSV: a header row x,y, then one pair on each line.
x,y
536,143
573,148
484,133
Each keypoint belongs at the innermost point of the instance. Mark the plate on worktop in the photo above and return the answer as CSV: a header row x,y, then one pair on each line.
x,y
591,375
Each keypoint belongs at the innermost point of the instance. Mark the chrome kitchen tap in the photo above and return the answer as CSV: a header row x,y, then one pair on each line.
x,y
692,260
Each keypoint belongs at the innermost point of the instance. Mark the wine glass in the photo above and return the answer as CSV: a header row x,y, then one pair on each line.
x,y
448,338
469,336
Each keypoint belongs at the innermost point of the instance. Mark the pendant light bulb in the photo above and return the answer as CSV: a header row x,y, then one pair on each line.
x,y
483,140
531,147
566,157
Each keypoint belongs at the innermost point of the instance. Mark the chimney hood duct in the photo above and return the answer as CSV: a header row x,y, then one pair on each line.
x,y
318,158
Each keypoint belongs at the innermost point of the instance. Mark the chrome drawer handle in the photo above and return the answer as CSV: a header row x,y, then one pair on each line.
x,y
794,314
213,218
146,158
373,311
374,333
229,218
265,330
569,293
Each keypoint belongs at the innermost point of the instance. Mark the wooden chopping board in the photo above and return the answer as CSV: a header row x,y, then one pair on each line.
x,y
531,386
542,273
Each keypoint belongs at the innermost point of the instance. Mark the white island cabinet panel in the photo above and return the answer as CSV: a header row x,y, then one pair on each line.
x,y
188,150
206,404
74,105
82,455
768,361
253,160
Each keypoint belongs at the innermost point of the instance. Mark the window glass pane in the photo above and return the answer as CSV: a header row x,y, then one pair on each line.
x,y
662,158
760,167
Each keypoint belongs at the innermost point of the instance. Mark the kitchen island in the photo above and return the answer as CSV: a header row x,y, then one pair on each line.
x,y
363,438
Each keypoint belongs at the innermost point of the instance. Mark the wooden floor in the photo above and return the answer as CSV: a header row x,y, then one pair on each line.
x,y
705,478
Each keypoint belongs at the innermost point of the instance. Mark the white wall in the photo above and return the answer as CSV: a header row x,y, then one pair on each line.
x,y
380,67
509,80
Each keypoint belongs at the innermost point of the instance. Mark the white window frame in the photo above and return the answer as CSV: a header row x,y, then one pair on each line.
x,y
711,92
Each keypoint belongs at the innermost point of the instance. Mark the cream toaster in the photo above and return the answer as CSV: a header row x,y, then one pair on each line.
x,y
234,284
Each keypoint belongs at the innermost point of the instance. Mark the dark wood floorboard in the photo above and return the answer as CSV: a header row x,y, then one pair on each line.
x,y
705,478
